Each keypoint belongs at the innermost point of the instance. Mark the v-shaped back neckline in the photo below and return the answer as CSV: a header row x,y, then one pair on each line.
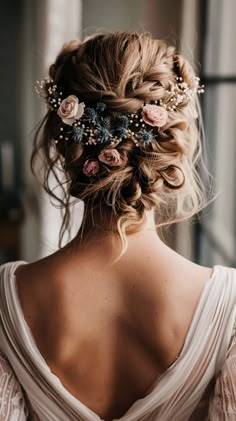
x,y
127,416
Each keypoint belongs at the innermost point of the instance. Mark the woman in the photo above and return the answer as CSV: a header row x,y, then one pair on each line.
x,y
116,325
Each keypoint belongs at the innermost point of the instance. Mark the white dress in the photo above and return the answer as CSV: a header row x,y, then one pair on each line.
x,y
199,386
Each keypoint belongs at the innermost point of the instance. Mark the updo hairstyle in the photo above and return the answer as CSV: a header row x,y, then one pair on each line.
x,y
124,71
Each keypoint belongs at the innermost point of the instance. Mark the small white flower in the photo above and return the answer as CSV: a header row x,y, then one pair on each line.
x,y
179,99
184,85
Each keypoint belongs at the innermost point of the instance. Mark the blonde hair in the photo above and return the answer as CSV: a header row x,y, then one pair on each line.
x,y
125,70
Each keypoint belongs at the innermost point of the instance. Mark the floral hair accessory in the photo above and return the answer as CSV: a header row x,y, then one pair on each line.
x,y
179,93
154,115
90,167
145,137
70,110
110,157
48,90
92,124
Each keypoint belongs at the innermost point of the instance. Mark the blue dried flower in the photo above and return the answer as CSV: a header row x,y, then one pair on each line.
x,y
101,107
104,134
90,113
77,134
105,122
145,136
120,132
122,122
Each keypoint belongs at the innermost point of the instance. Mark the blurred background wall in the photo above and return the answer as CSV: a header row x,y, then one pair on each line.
x,y
32,33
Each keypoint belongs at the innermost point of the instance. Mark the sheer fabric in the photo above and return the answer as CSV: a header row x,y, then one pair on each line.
x,y
222,405
200,385
12,400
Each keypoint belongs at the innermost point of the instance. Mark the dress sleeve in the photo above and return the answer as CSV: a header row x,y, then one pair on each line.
x,y
222,405
12,401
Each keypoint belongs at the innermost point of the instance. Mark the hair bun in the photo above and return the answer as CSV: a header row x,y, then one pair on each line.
x,y
124,71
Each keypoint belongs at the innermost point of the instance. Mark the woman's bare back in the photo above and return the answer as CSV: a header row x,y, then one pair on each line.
x,y
109,332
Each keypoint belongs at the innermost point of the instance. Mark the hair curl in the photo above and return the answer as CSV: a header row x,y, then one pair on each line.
x,y
125,70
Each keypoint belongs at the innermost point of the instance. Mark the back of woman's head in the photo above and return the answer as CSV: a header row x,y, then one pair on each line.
x,y
147,160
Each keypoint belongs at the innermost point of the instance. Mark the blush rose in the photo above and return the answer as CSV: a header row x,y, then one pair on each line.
x,y
110,157
154,115
70,110
91,167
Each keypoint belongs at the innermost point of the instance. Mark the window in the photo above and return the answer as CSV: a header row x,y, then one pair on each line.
x,y
216,236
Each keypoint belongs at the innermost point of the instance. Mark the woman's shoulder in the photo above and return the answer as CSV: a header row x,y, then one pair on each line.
x,y
224,283
22,269
225,273
9,268
12,264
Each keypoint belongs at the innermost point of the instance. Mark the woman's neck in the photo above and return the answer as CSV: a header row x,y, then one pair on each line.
x,y
99,234
103,221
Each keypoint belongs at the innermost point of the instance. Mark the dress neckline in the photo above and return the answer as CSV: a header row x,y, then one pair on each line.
x,y
93,416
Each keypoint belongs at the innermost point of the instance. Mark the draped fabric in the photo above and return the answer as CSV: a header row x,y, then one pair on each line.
x,y
222,405
193,384
12,401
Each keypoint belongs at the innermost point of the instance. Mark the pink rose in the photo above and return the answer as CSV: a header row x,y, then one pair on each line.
x,y
70,110
111,157
154,115
90,167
